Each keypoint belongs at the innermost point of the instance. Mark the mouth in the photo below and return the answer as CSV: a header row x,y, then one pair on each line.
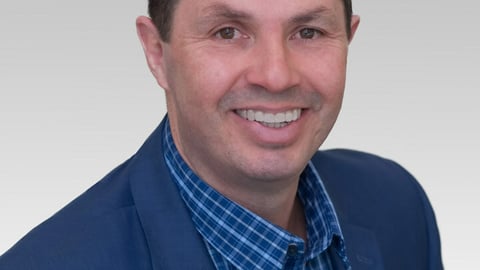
x,y
271,120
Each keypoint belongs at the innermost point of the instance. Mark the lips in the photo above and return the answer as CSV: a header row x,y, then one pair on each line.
x,y
272,120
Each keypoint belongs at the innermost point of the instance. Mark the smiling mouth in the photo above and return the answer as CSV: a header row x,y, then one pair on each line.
x,y
272,120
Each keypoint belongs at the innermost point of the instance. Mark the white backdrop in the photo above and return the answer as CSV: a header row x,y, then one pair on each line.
x,y
76,99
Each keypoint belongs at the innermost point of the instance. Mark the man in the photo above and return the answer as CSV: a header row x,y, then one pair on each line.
x,y
232,179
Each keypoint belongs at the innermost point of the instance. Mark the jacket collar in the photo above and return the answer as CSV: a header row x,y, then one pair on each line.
x,y
171,236
362,246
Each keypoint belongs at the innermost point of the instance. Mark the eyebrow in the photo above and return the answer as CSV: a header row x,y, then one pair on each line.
x,y
321,13
222,11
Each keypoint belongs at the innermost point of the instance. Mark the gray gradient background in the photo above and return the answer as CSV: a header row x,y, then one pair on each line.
x,y
76,99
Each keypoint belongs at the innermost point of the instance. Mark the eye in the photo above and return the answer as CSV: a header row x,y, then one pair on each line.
x,y
308,33
227,33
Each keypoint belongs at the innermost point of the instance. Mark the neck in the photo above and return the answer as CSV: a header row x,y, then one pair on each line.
x,y
272,199
280,206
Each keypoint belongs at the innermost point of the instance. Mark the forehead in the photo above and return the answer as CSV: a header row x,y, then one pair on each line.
x,y
258,9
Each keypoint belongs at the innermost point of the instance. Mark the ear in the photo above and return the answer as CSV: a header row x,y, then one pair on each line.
x,y
353,26
153,48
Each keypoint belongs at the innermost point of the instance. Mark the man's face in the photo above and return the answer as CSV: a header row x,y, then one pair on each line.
x,y
253,87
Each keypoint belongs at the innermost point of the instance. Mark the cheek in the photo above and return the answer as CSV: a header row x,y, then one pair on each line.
x,y
211,83
203,79
199,85
327,74
330,94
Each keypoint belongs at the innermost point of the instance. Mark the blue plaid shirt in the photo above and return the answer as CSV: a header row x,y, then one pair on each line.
x,y
236,238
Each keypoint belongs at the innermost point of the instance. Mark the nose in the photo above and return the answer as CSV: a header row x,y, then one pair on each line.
x,y
272,66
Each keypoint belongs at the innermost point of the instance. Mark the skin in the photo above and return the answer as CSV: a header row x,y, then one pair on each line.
x,y
271,56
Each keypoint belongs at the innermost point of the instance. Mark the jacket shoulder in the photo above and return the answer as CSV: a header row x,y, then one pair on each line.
x,y
379,195
365,172
377,185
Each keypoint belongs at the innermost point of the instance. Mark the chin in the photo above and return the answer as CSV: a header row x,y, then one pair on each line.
x,y
272,169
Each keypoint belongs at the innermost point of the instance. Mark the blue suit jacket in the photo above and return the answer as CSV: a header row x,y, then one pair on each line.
x,y
135,219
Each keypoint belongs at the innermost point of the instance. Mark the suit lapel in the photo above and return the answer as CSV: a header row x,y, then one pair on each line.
x,y
172,238
362,248
361,244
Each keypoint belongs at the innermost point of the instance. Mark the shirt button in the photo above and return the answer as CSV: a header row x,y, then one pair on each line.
x,y
292,250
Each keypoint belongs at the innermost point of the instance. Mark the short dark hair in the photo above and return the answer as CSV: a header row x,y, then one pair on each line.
x,y
161,12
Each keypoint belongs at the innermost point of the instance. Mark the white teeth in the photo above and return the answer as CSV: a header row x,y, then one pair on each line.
x,y
267,117
251,115
288,116
243,114
276,120
259,116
